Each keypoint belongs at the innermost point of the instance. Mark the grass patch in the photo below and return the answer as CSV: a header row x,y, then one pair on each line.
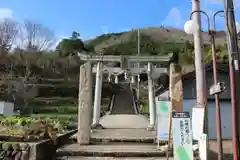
x,y
65,113
145,108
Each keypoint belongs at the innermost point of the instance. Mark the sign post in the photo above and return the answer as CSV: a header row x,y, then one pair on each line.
x,y
163,109
197,122
182,138
202,142
176,94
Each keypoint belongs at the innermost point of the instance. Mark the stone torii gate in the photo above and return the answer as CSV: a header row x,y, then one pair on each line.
x,y
152,65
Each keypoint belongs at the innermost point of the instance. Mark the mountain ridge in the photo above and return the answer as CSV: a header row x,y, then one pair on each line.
x,y
156,34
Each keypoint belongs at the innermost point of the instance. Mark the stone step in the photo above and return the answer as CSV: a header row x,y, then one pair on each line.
x,y
99,140
111,150
112,158
122,135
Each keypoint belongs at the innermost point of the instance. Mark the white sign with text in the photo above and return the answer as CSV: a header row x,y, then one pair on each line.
x,y
182,137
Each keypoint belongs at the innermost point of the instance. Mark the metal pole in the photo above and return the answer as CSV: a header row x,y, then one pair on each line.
x,y
199,64
138,82
138,35
218,111
233,69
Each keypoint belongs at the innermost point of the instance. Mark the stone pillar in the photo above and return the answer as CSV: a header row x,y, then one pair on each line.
x,y
151,98
85,104
175,93
175,87
132,79
126,76
97,96
116,79
109,77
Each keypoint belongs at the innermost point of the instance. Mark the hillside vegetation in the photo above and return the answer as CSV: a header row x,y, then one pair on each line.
x,y
157,41
32,74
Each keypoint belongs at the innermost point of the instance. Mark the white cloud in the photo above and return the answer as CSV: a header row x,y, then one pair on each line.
x,y
174,18
5,13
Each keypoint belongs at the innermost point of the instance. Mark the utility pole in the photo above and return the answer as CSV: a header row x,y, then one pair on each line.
x,y
138,65
232,43
201,92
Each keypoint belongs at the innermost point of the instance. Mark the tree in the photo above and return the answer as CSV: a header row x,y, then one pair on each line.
x,y
75,35
70,46
8,32
20,89
35,37
208,56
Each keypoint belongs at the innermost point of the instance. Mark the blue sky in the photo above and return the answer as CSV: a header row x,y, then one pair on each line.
x,y
94,17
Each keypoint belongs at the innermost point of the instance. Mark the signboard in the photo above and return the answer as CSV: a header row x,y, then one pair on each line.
x,y
197,122
182,139
163,109
202,143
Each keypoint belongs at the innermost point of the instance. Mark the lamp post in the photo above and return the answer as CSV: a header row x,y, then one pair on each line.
x,y
190,27
233,54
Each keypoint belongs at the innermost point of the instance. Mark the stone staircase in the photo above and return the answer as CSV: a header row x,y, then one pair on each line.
x,y
124,101
117,143
125,135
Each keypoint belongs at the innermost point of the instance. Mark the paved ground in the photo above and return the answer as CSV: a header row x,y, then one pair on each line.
x,y
227,149
124,121
227,146
124,134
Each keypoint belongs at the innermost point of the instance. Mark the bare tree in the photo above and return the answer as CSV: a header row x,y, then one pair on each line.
x,y
20,89
9,29
36,37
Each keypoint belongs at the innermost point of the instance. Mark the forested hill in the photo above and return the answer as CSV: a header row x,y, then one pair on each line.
x,y
156,41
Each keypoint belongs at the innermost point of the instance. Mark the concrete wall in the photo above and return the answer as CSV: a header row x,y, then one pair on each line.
x,y
226,113
6,108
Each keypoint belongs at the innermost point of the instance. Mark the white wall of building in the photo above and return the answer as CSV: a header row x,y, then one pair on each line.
x,y
6,108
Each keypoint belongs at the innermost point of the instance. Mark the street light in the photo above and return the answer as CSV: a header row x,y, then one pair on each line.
x,y
191,27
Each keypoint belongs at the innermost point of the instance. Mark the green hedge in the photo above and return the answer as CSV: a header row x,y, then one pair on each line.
x,y
57,110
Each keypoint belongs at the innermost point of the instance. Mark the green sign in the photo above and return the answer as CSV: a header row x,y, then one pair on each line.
x,y
163,119
163,106
182,154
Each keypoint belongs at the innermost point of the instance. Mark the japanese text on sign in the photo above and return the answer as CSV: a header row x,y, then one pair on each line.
x,y
180,115
184,132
